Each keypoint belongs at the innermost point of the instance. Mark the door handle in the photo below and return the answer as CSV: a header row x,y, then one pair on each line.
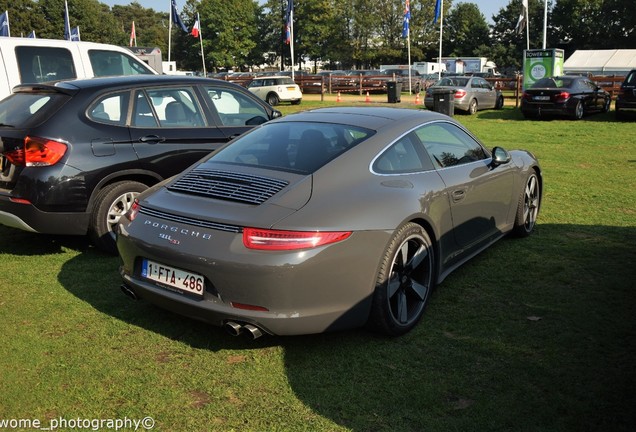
x,y
152,139
459,195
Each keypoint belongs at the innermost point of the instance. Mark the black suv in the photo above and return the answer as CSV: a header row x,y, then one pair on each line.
x,y
74,154
626,99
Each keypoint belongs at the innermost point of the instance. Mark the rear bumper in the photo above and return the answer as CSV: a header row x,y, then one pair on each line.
x,y
29,218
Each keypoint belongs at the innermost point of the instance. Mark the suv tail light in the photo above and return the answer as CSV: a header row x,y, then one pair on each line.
x,y
266,239
37,152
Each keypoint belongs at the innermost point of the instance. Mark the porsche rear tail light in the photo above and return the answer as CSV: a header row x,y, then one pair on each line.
x,y
37,152
562,97
266,239
133,211
460,94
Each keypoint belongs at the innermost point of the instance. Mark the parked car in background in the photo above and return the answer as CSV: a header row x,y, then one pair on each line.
x,y
262,236
569,96
74,155
626,99
276,89
471,93
30,60
402,77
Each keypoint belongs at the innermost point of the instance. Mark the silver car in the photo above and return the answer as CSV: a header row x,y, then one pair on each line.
x,y
470,93
325,220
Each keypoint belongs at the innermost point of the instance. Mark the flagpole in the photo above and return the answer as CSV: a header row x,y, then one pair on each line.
x,y
205,74
8,24
527,29
169,32
441,20
291,41
545,23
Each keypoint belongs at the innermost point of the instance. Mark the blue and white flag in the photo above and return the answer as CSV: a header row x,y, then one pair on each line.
x,y
75,34
32,35
4,24
438,8
407,19
176,18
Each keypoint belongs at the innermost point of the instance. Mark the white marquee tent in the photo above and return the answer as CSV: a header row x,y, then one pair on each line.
x,y
601,62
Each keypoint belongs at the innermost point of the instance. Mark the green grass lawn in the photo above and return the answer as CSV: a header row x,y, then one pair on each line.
x,y
535,334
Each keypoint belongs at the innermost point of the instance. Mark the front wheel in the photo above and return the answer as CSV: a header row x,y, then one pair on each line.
x,y
404,281
111,204
528,207
606,105
500,103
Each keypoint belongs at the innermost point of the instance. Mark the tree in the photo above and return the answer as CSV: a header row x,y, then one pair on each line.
x,y
594,24
466,31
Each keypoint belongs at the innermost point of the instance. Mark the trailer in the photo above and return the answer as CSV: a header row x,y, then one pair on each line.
x,y
469,65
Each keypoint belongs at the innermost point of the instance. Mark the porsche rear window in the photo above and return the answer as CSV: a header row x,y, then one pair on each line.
x,y
292,146
22,109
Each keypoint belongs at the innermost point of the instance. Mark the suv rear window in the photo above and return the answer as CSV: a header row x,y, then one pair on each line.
x,y
21,109
40,64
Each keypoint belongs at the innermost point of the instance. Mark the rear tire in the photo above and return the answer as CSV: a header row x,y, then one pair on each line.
x,y
404,282
578,111
111,204
273,99
472,106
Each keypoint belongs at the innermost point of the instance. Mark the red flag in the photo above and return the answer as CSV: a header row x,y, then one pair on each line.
x,y
195,28
133,35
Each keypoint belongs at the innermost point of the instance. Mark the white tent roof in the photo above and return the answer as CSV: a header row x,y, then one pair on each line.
x,y
601,61
616,61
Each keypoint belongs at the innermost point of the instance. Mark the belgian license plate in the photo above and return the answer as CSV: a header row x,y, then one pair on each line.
x,y
542,98
173,277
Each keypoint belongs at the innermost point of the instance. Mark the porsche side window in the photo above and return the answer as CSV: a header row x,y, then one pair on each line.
x,y
401,157
448,145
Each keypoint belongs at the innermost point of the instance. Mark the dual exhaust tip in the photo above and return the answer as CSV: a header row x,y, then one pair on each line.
x,y
233,328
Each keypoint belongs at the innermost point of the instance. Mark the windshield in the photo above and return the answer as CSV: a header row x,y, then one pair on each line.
x,y
553,83
452,82
292,146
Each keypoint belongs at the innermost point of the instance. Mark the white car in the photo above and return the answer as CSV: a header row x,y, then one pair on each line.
x,y
276,89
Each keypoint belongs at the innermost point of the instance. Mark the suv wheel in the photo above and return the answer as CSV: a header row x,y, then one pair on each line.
x,y
111,204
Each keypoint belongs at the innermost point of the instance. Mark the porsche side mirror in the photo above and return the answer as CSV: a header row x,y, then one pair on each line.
x,y
500,156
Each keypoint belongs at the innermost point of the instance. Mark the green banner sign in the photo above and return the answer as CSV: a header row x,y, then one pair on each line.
x,y
540,63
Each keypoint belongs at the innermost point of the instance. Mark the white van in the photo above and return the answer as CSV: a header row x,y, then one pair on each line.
x,y
26,61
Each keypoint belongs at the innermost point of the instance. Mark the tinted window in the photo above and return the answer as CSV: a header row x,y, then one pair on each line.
x,y
448,145
235,108
302,147
19,109
111,63
143,114
110,109
176,107
40,64
404,156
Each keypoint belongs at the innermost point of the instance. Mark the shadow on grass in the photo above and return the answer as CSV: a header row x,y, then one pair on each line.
x,y
18,242
533,334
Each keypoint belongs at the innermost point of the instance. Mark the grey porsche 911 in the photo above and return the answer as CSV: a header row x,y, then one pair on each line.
x,y
324,220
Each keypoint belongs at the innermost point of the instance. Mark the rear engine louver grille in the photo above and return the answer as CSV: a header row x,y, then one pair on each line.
x,y
190,221
228,185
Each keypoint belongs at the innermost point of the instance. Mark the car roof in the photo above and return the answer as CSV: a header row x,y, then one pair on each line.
x,y
124,81
368,117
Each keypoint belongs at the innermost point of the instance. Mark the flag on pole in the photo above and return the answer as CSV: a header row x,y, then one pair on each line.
x,y
196,28
75,34
407,19
176,18
67,24
438,8
32,35
521,22
133,35
289,16
5,30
